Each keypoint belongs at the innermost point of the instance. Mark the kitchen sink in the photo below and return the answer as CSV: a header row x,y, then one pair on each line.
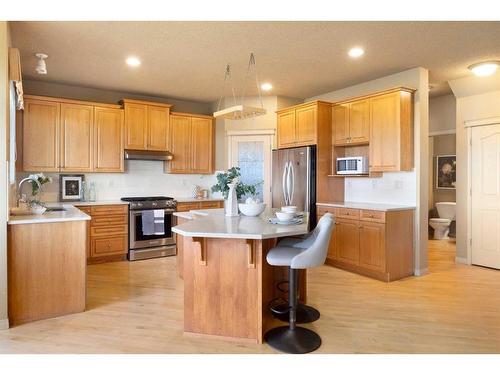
x,y
53,209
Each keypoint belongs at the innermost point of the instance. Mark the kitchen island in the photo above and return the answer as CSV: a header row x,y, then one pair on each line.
x,y
227,281
46,264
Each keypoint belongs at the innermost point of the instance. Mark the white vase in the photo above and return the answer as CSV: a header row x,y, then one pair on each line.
x,y
231,203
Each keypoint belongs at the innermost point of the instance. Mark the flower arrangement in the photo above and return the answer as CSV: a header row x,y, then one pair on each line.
x,y
232,176
36,189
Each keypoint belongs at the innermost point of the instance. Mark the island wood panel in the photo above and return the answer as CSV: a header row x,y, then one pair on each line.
x,y
108,139
223,295
41,123
46,270
179,241
77,138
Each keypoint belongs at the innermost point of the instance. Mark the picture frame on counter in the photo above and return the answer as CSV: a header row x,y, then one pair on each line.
x,y
71,187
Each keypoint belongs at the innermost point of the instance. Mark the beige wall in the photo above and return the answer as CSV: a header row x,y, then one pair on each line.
x,y
477,98
442,113
4,121
415,184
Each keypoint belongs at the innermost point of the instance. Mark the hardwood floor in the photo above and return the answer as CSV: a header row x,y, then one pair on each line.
x,y
137,308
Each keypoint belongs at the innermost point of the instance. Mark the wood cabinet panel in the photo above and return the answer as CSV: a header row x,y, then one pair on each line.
x,y
340,124
136,126
108,139
86,209
347,213
97,231
106,210
359,121
158,126
180,144
77,137
306,120
103,221
370,215
202,145
347,240
41,124
212,204
187,206
372,246
287,135
109,246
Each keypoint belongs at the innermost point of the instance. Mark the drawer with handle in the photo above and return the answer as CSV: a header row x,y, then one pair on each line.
x,y
321,210
109,246
187,206
108,231
103,221
347,213
119,209
375,216
214,204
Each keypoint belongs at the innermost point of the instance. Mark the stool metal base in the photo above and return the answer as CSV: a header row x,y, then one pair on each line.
x,y
299,340
305,313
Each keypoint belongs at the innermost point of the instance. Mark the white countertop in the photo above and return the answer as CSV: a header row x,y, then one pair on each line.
x,y
212,223
71,213
368,206
96,203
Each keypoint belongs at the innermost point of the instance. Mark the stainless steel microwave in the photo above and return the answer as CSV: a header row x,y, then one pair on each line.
x,y
352,165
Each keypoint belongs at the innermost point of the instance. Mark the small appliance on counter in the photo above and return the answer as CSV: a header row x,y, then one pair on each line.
x,y
352,165
150,227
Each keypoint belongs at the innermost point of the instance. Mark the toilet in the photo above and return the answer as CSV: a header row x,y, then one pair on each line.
x,y
441,225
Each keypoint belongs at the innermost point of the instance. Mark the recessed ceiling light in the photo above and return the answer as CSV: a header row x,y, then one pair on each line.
x,y
356,52
484,69
266,86
133,61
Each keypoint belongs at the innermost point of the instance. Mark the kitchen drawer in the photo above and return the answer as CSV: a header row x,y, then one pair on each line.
x,y
321,210
108,231
186,206
375,216
212,204
347,213
118,209
106,221
109,246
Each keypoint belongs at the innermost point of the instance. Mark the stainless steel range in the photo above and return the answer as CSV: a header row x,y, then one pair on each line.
x,y
144,243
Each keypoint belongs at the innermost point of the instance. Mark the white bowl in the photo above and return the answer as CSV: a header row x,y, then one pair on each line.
x,y
251,209
38,210
285,216
290,209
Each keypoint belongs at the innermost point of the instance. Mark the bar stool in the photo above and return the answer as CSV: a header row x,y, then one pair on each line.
x,y
293,339
305,313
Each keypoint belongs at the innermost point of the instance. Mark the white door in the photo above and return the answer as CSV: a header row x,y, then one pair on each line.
x,y
485,195
252,153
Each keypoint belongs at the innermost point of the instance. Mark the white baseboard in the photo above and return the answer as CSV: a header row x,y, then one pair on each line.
x,y
461,260
421,272
4,324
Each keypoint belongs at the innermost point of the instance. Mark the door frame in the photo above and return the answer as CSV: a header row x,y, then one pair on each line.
x,y
468,126
271,133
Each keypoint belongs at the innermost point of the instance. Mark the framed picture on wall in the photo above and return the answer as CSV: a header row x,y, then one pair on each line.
x,y
70,187
446,176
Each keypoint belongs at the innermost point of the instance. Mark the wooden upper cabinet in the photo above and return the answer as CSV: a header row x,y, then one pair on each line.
x,y
372,246
108,139
202,134
391,132
306,125
340,124
158,122
287,134
77,130
146,125
359,121
136,126
41,135
299,125
180,144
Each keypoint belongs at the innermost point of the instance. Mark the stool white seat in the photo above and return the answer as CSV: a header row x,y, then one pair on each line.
x,y
302,253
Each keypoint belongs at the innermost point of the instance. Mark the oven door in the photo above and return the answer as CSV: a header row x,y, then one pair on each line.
x,y
138,240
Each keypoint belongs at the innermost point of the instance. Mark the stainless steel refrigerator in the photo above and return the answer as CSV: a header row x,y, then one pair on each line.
x,y
294,179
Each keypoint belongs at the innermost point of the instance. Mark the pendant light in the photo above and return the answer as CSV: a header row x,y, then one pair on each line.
x,y
240,111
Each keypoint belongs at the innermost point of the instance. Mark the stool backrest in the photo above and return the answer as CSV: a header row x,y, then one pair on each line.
x,y
315,254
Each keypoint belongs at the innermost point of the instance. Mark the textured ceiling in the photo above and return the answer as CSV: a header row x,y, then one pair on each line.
x,y
187,60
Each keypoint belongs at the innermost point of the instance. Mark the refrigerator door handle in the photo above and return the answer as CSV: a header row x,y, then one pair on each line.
x,y
289,182
285,173
292,189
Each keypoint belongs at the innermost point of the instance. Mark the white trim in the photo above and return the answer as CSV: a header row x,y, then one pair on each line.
x,y
482,122
4,324
462,260
469,197
251,132
421,272
442,132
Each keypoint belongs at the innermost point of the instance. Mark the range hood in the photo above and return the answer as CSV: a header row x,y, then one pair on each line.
x,y
148,155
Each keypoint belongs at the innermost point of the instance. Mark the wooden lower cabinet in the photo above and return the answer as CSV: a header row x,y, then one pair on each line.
x,y
377,244
107,233
198,205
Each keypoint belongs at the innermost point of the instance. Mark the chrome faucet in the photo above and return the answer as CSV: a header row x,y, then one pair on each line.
x,y
21,183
